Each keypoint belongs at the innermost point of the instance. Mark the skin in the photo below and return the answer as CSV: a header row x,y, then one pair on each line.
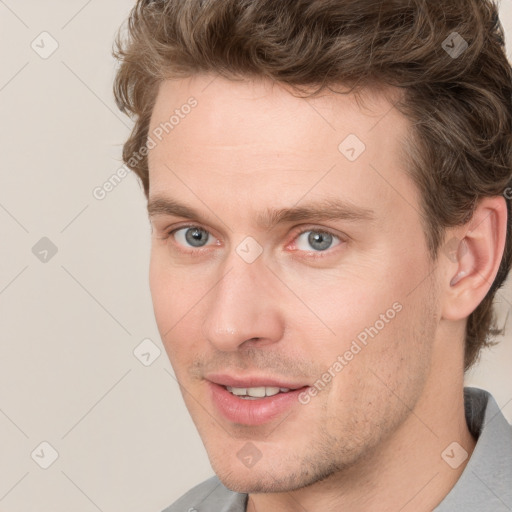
x,y
372,439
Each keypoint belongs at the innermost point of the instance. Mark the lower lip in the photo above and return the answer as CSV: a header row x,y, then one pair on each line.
x,y
252,412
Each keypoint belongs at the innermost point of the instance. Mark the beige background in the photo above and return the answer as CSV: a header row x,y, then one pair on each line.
x,y
70,325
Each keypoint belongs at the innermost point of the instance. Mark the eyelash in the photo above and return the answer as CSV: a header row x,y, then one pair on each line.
x,y
310,254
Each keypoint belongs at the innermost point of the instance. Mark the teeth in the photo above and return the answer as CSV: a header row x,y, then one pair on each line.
x,y
259,392
271,391
238,391
256,392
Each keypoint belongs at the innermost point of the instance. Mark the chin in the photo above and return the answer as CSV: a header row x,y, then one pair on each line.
x,y
264,479
253,483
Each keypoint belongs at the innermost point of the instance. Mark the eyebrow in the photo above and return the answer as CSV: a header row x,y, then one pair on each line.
x,y
324,209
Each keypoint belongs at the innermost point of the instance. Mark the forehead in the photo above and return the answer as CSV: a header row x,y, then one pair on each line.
x,y
228,113
256,137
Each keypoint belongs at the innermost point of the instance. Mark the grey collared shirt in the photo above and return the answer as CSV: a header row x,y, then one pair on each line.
x,y
484,486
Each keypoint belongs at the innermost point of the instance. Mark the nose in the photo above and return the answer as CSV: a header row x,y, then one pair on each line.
x,y
243,307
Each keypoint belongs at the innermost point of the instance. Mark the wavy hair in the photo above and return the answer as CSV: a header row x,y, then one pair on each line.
x,y
459,105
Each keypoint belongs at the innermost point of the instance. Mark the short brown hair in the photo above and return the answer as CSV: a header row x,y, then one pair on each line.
x,y
457,98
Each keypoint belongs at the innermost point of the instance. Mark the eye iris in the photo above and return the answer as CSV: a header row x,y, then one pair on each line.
x,y
319,241
196,237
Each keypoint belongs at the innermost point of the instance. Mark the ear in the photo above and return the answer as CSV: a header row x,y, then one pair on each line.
x,y
473,256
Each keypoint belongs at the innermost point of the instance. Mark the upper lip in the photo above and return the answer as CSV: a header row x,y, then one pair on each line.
x,y
252,381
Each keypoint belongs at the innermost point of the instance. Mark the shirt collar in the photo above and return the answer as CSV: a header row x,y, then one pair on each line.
x,y
486,482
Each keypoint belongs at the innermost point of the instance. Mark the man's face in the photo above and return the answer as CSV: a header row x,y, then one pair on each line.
x,y
254,290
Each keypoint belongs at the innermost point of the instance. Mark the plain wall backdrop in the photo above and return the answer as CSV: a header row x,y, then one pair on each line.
x,y
109,427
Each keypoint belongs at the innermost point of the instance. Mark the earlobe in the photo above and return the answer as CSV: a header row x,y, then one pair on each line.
x,y
478,257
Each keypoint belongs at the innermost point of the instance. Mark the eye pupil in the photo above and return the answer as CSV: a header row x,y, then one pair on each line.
x,y
196,237
319,241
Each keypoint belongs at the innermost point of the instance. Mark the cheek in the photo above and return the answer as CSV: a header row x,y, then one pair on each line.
x,y
384,330
170,300
159,283
383,380
178,295
391,353
172,287
346,307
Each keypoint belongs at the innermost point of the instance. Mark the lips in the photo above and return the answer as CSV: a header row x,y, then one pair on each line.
x,y
253,400
256,392
253,382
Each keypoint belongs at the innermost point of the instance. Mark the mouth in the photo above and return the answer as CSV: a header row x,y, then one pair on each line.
x,y
257,393
253,401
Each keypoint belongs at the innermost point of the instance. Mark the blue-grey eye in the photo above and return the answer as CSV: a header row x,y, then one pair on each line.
x,y
192,236
316,241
